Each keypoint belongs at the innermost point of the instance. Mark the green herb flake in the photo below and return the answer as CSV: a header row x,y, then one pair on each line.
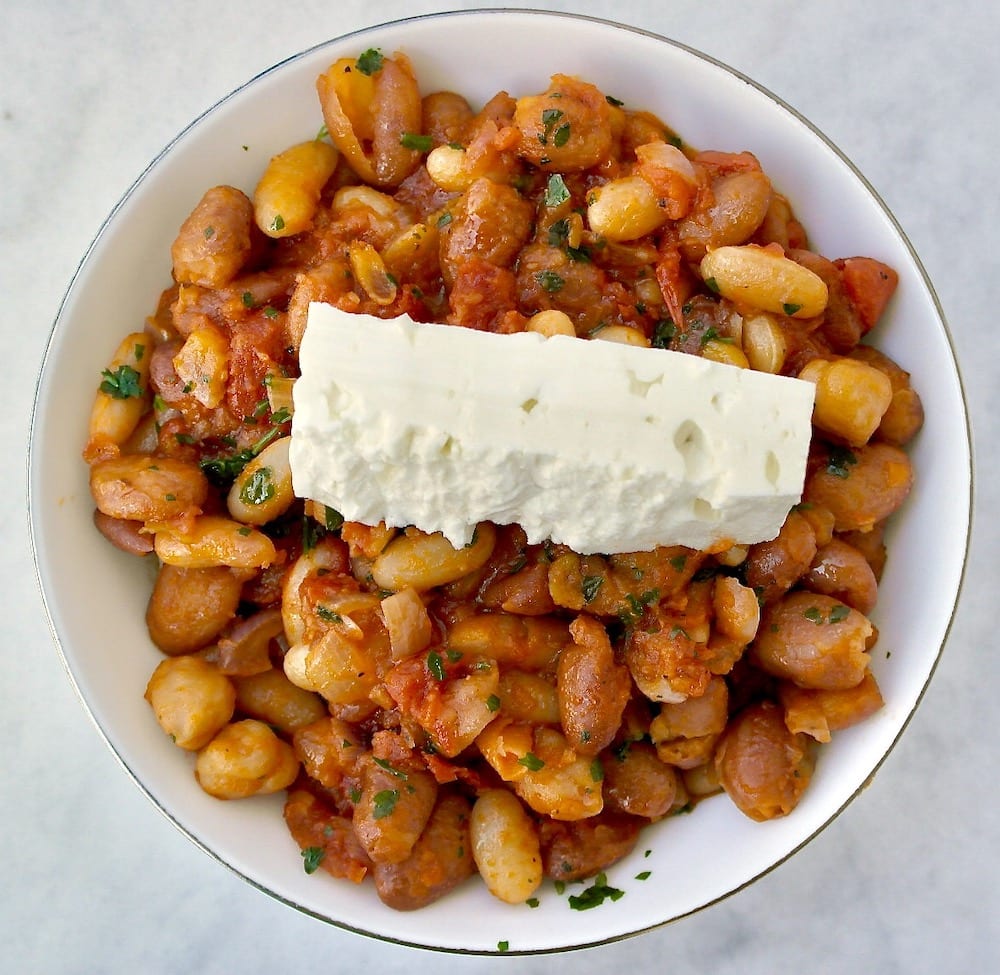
x,y
327,614
123,383
419,143
503,946
561,135
556,191
663,334
814,615
259,487
493,703
532,902
559,233
209,233
445,219
596,770
712,285
550,117
839,613
277,224
531,762
384,803
678,562
595,895
614,102
312,857
370,61
435,665
590,587
549,281
839,462
645,875
789,308
332,518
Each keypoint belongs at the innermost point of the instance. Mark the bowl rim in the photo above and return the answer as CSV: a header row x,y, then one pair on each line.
x,y
58,325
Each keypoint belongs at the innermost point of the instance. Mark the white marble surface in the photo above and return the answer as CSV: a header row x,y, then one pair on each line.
x,y
95,880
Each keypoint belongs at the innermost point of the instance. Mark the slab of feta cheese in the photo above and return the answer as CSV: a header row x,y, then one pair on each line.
x,y
601,446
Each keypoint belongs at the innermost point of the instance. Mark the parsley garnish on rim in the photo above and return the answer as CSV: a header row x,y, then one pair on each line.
x,y
595,895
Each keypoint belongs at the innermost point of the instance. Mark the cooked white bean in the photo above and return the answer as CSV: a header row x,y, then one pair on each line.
x,y
121,398
191,699
765,279
214,540
287,196
505,846
422,561
263,489
626,208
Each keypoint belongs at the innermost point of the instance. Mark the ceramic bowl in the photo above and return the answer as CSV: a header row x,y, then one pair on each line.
x,y
95,598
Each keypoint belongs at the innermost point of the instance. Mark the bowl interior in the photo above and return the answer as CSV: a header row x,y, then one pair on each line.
x,y
95,597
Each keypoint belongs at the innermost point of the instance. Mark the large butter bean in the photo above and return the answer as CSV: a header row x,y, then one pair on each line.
x,y
505,846
422,561
189,608
140,488
214,540
765,279
814,641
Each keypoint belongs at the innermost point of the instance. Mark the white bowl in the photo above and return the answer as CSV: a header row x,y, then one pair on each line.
x,y
96,611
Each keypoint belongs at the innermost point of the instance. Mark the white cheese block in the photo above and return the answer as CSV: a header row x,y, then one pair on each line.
x,y
601,446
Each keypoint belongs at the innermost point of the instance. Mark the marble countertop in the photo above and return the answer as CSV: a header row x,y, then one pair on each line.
x,y
95,880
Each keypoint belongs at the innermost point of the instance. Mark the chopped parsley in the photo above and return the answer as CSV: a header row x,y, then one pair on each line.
x,y
596,770
259,487
384,803
550,281
531,762
839,462
590,587
312,857
636,606
278,223
493,703
325,613
419,143
332,519
556,191
503,946
371,61
789,308
663,334
123,383
839,613
551,128
435,665
595,895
